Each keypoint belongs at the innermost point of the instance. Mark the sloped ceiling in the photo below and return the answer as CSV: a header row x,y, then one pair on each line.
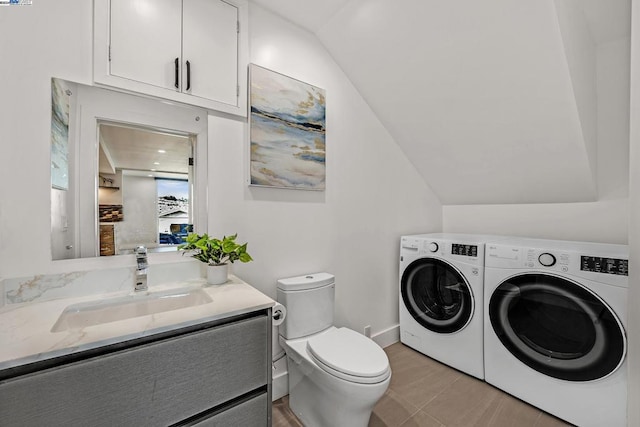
x,y
309,14
489,100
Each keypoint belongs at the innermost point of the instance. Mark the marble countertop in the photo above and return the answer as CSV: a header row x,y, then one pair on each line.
x,y
25,329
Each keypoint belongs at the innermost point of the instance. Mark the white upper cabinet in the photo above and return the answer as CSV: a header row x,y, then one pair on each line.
x,y
210,33
190,51
146,40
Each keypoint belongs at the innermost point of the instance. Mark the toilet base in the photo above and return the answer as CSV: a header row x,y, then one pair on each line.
x,y
320,399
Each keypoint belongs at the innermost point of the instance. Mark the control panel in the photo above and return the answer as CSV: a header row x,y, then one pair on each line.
x,y
619,267
420,246
464,250
555,260
552,260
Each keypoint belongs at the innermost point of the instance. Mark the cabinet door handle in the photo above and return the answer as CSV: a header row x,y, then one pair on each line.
x,y
177,64
188,75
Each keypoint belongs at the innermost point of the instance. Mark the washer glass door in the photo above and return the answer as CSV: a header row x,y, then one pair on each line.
x,y
557,327
437,295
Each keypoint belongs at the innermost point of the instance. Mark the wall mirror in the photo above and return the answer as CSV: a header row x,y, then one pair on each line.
x,y
125,171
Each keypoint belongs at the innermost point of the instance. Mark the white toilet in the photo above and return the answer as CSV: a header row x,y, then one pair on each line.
x,y
336,375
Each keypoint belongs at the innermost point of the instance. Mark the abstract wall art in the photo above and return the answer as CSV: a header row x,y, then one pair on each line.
x,y
287,132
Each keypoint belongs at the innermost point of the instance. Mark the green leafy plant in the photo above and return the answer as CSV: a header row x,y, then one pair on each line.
x,y
214,251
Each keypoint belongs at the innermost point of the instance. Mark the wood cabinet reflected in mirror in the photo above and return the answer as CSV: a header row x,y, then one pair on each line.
x,y
125,172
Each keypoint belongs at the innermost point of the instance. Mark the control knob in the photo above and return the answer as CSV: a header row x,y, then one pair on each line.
x,y
433,247
546,259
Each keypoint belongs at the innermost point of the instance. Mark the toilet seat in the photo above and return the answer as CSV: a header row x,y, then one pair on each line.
x,y
350,356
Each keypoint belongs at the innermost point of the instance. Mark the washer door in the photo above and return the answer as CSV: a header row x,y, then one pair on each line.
x,y
437,295
557,327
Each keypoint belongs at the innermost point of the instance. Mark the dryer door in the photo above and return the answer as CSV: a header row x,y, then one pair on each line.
x,y
437,295
557,327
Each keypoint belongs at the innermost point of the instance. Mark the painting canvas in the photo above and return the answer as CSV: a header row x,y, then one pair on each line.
x,y
287,132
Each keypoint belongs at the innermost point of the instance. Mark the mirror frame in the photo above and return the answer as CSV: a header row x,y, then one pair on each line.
x,y
93,105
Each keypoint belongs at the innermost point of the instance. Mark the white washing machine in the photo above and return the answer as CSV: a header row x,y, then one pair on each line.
x,y
441,290
555,315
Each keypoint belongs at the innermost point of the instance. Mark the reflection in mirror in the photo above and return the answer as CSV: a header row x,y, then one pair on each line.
x,y
147,174
125,171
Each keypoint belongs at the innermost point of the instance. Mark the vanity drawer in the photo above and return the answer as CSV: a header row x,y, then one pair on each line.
x,y
158,383
253,412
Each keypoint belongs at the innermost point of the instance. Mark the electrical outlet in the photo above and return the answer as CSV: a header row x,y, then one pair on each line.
x,y
367,331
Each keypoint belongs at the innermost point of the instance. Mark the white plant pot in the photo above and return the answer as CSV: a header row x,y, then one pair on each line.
x,y
217,274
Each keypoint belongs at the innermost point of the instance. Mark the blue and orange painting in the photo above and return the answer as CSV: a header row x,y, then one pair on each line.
x,y
287,131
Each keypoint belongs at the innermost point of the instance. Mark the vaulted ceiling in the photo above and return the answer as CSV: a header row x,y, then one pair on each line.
x,y
492,101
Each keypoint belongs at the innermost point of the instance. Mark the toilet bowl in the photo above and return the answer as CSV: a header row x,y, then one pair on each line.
x,y
336,375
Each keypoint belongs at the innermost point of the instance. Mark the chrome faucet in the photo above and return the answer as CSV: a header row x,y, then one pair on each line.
x,y
140,283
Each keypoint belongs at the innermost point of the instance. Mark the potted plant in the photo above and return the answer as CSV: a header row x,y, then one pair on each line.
x,y
216,253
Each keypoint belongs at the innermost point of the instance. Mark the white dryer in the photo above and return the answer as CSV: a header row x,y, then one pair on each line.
x,y
555,315
441,290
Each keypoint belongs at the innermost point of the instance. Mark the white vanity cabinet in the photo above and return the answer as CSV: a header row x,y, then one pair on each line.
x,y
190,51
213,374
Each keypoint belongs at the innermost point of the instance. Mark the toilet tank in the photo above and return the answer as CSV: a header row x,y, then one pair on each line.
x,y
309,303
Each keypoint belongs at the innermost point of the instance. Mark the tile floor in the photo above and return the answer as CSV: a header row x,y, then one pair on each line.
x,y
426,393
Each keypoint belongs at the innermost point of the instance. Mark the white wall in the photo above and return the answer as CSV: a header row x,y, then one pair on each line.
x,y
580,52
140,210
633,329
605,220
613,70
352,230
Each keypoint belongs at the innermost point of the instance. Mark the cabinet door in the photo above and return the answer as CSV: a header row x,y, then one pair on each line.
x,y
210,45
145,38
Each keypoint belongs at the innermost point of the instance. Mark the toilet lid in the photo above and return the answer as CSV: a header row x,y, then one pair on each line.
x,y
350,353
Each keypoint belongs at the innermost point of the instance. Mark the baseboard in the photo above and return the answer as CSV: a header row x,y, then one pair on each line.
x,y
387,337
280,379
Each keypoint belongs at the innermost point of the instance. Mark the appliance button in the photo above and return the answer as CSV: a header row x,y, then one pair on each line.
x,y
433,247
547,259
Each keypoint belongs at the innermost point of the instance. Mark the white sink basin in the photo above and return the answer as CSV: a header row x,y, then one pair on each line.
x,y
81,315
